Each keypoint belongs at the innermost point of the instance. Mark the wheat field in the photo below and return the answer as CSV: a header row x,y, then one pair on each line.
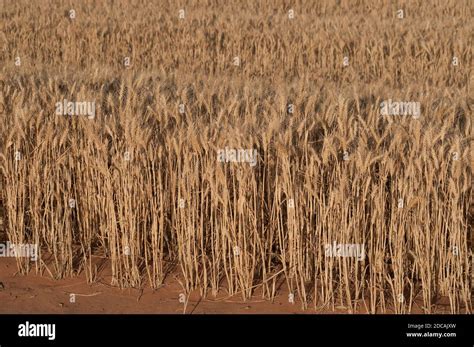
x,y
297,83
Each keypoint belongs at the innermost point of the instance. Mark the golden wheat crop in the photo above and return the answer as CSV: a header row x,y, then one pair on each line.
x,y
140,182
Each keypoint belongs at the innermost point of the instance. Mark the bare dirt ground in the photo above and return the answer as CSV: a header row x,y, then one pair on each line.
x,y
41,294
